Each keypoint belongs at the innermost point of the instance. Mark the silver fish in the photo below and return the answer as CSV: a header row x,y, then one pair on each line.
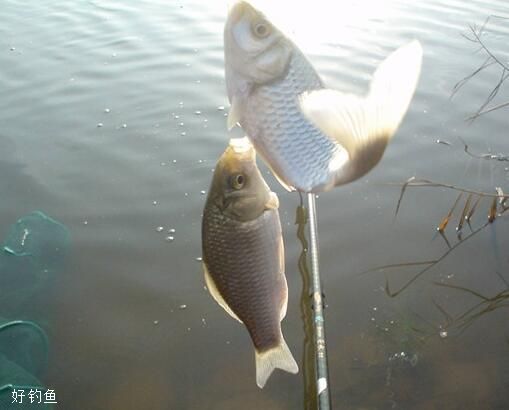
x,y
243,255
313,138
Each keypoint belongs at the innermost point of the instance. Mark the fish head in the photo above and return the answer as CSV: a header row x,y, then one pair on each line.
x,y
256,52
238,188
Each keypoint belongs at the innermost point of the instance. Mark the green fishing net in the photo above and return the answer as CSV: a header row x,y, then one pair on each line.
x,y
33,250
23,354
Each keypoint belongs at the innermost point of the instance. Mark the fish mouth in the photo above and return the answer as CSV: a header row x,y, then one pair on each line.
x,y
240,145
238,9
239,150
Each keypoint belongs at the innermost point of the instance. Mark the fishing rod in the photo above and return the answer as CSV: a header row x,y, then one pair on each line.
x,y
322,372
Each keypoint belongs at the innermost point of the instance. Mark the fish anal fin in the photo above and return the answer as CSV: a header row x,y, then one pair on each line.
x,y
211,286
278,357
234,113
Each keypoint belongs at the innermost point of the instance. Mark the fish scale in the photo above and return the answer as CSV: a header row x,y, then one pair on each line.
x,y
243,259
273,114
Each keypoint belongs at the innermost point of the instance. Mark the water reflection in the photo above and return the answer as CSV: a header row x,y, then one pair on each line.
x,y
306,306
484,305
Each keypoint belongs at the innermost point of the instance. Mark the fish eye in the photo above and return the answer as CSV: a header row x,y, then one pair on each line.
x,y
261,30
238,181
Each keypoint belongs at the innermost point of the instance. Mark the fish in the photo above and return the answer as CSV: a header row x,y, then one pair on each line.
x,y
243,255
313,138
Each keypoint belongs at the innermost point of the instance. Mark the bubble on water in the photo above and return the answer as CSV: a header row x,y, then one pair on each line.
x,y
107,110
203,321
181,124
174,161
156,322
182,307
85,222
198,81
443,334
163,164
124,125
197,112
183,133
181,103
186,194
114,54
373,319
154,203
171,230
220,108
227,342
203,192
200,161
169,238
198,259
375,308
99,124
160,228
177,117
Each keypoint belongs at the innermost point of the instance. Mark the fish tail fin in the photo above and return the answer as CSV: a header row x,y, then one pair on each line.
x,y
364,125
278,357
393,86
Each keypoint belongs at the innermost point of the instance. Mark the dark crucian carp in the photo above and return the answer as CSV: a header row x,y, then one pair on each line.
x,y
243,255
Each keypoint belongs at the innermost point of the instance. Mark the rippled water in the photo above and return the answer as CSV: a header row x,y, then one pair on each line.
x,y
112,115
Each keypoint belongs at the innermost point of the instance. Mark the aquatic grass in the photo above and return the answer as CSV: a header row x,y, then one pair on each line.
x,y
476,34
487,304
497,208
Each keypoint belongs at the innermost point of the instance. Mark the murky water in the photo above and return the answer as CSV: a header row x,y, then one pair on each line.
x,y
112,115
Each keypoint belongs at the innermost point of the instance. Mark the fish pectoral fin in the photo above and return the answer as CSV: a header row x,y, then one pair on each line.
x,y
355,122
278,357
234,113
273,202
211,286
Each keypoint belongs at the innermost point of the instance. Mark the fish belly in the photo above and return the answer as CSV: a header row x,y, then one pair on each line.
x,y
243,259
296,151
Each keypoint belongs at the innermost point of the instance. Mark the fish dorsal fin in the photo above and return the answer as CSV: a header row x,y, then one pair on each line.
x,y
234,113
357,122
211,286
